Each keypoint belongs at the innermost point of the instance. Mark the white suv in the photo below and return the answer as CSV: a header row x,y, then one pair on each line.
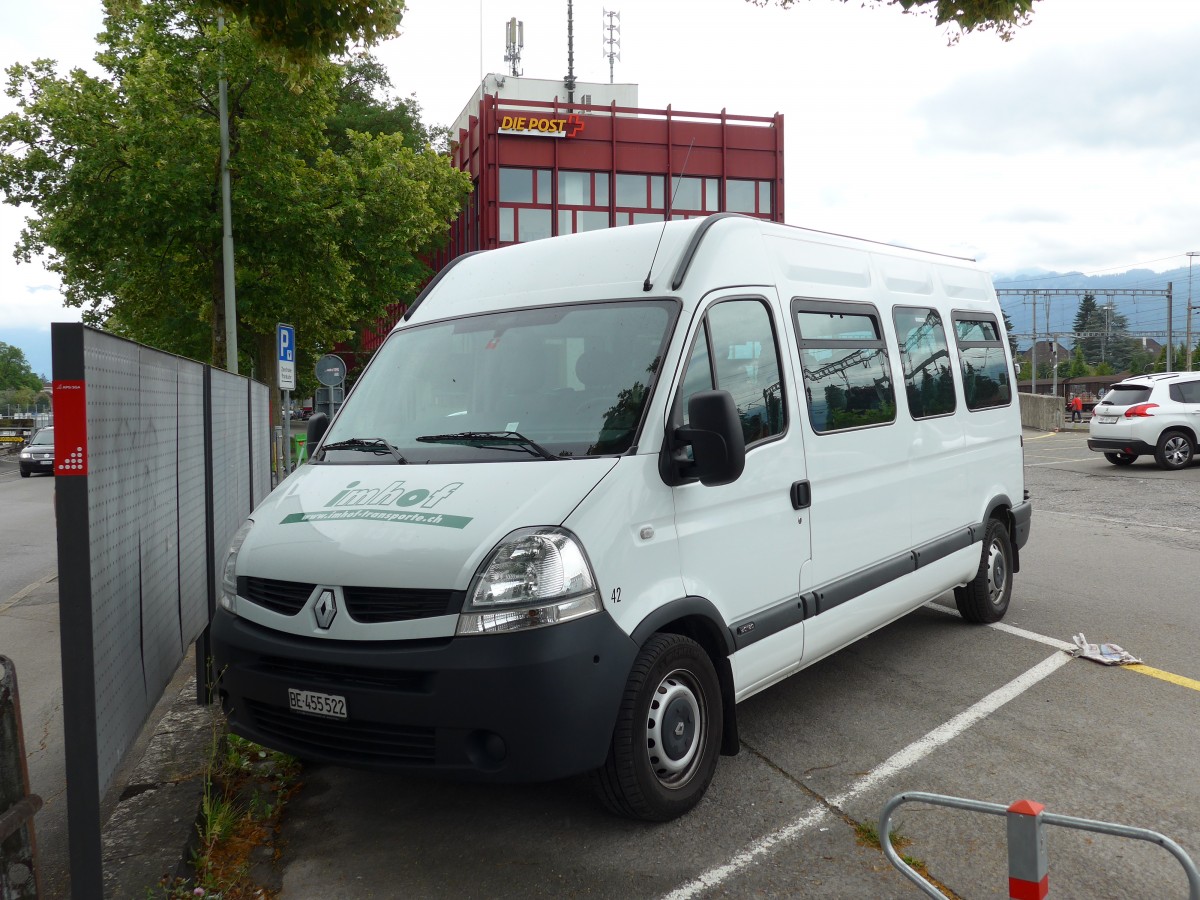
x,y
1157,414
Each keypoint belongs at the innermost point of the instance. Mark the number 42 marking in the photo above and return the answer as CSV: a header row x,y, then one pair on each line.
x,y
616,595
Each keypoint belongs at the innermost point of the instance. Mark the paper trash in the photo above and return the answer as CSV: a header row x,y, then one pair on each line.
x,y
1108,654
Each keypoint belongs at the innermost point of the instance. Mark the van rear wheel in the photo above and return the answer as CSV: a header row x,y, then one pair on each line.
x,y
985,598
668,734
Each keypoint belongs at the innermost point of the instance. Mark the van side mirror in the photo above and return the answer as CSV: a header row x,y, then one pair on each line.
x,y
715,435
317,426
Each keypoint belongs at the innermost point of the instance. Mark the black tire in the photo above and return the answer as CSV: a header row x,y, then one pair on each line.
x,y
1174,450
24,474
1121,459
668,735
985,598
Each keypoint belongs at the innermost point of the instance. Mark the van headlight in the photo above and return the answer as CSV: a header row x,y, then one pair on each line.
x,y
534,578
229,572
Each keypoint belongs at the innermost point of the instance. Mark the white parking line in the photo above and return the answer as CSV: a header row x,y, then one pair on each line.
x,y
904,759
1012,629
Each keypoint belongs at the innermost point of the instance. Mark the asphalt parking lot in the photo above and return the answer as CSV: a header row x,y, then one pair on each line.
x,y
996,713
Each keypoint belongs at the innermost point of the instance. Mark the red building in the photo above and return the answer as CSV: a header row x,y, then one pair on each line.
x,y
544,167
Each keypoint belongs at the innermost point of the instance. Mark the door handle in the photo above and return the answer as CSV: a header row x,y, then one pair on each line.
x,y
801,495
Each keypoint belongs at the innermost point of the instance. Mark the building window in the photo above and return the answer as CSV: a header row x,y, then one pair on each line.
x,y
516,185
525,199
752,197
844,361
583,189
571,221
640,191
925,361
986,375
691,194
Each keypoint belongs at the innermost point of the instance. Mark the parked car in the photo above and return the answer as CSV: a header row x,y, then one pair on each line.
x,y
38,454
1148,414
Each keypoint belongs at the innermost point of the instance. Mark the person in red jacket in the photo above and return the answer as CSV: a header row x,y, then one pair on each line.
x,y
1076,408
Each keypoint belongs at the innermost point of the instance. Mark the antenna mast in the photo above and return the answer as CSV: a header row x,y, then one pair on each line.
x,y
611,37
514,34
570,81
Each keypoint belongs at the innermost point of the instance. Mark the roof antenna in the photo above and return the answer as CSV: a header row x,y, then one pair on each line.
x,y
678,181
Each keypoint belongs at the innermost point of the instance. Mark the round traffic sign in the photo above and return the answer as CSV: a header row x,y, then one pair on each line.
x,y
331,371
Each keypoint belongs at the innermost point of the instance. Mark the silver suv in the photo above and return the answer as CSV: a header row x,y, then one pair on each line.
x,y
1157,414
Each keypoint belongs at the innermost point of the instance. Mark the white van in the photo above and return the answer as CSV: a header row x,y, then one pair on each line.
x,y
594,491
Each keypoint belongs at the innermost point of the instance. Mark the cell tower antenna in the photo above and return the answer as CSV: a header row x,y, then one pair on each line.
x,y
514,35
610,30
570,79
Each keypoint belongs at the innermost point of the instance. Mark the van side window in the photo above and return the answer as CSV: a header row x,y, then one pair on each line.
x,y
925,362
987,380
847,377
743,360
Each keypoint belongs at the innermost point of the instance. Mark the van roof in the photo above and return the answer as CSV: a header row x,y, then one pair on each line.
x,y
724,248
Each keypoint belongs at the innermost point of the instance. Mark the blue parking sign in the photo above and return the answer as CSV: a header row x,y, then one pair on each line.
x,y
285,344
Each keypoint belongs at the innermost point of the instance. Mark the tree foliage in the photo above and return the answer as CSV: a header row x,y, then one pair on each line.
x,y
15,372
298,34
962,16
330,223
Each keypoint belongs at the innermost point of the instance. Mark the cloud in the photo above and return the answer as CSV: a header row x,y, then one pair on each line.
x,y
1135,94
1027,215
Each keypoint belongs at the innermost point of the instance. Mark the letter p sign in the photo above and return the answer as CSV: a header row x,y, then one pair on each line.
x,y
285,343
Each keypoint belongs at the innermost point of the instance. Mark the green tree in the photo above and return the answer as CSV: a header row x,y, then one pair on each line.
x,y
1085,320
1140,362
301,33
1078,365
15,372
1008,329
1103,333
123,173
1002,16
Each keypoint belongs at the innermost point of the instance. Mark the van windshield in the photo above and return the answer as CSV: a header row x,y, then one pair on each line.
x,y
542,384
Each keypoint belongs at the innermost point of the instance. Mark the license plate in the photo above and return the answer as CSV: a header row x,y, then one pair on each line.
x,y
315,704
1107,420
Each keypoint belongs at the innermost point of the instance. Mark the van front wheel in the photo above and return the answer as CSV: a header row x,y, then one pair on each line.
x,y
668,734
985,598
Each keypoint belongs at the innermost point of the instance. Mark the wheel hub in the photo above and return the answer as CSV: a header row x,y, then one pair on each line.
x,y
674,730
997,573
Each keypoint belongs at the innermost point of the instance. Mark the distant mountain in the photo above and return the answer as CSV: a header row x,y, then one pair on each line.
x,y
1145,313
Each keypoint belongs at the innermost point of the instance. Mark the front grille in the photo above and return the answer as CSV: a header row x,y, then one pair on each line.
x,y
351,740
304,673
374,604
284,597
365,604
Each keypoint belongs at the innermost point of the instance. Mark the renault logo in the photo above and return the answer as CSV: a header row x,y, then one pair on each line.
x,y
325,609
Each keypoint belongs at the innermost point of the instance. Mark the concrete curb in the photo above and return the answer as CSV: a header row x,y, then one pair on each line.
x,y
151,833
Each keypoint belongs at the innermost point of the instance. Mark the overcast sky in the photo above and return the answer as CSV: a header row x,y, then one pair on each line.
x,y
1072,147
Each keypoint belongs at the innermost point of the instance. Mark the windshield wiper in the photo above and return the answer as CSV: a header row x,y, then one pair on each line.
x,y
371,445
491,438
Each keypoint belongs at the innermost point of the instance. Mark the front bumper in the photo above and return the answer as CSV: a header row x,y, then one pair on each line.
x,y
527,706
1118,445
36,465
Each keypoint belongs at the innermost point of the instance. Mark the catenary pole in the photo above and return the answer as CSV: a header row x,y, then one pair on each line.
x,y
1190,254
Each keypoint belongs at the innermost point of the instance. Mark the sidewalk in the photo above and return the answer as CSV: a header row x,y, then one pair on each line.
x,y
154,800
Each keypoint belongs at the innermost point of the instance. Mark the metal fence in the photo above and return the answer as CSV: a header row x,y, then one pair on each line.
x,y
157,461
